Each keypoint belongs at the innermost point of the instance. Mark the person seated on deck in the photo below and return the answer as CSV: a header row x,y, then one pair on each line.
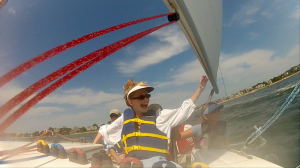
x,y
111,139
137,120
211,132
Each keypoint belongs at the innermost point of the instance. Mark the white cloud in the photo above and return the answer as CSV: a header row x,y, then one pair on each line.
x,y
9,91
188,73
246,14
171,43
296,14
253,35
294,52
267,14
81,97
239,70
32,123
38,111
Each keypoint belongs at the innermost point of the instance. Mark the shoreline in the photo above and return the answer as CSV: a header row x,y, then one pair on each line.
x,y
55,135
257,89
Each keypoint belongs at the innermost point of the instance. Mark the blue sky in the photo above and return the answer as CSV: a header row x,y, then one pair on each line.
x,y
260,40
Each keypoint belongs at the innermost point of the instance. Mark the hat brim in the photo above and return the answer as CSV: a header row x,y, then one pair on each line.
x,y
149,88
213,108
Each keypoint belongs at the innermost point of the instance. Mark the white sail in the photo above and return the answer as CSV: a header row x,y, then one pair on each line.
x,y
201,22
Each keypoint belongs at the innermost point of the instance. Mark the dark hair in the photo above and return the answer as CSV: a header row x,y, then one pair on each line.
x,y
155,107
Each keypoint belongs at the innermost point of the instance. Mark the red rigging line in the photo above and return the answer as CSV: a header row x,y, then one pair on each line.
x,y
100,54
48,54
4,109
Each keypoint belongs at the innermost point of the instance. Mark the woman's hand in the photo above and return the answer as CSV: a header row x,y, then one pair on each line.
x,y
203,82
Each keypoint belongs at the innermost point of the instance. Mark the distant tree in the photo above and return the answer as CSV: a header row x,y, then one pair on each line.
x,y
13,135
102,124
96,126
36,133
83,129
26,135
20,135
64,130
109,122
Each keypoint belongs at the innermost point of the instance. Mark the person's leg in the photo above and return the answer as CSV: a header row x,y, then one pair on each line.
x,y
114,155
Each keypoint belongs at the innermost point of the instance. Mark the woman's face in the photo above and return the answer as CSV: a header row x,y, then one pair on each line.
x,y
137,103
213,117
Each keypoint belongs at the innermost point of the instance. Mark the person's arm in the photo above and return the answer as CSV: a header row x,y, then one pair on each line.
x,y
200,89
183,135
174,117
98,137
114,126
114,154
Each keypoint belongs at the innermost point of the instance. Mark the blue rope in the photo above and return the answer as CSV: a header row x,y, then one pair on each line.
x,y
260,130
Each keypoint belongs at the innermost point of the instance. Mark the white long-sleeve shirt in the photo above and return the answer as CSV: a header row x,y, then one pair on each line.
x,y
166,120
109,139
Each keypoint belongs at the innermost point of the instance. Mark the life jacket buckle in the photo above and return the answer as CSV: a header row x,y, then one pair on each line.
x,y
136,147
139,120
138,134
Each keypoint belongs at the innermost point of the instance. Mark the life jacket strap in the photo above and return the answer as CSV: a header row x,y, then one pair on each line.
x,y
136,147
137,120
139,134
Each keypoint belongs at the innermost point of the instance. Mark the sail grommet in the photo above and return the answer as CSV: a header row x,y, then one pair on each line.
x,y
173,17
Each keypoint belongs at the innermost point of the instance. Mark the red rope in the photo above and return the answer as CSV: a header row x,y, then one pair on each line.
x,y
4,109
48,54
68,138
101,54
14,154
6,152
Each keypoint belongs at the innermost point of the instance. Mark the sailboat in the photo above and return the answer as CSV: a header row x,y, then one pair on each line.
x,y
201,22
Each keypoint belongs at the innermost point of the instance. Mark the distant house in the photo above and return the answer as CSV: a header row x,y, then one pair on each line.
x,y
76,129
269,81
56,129
91,128
260,86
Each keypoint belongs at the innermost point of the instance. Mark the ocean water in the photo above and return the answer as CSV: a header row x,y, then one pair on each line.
x,y
241,114
283,137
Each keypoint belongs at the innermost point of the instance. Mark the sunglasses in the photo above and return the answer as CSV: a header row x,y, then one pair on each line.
x,y
114,116
142,97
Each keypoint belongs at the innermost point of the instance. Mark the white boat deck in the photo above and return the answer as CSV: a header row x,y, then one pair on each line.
x,y
37,159
225,158
213,158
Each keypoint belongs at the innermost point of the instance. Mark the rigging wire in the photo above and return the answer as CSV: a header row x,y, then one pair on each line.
x,y
223,81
